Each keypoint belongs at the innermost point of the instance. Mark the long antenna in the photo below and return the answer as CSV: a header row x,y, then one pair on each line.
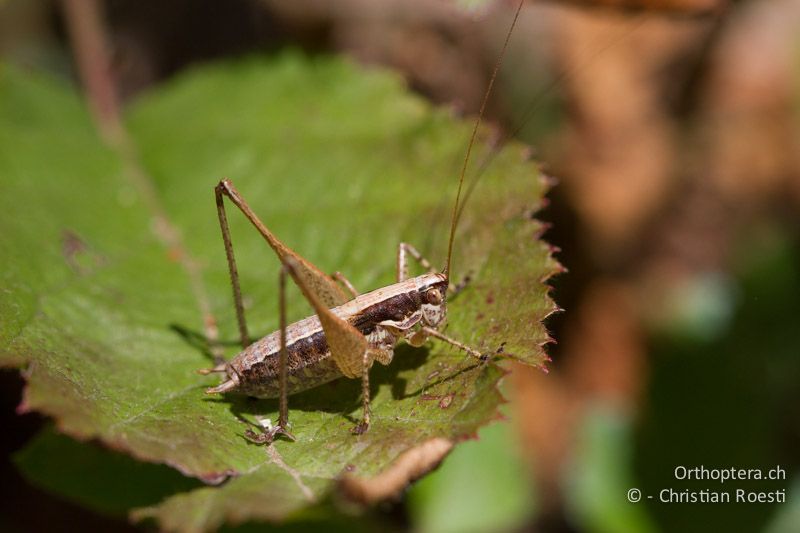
x,y
539,99
474,135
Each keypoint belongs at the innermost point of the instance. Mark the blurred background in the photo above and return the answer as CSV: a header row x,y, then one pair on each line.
x,y
671,127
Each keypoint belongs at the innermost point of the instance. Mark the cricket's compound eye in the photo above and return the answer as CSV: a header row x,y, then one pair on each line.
x,y
433,296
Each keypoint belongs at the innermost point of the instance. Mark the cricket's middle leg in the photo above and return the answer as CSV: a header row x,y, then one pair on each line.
x,y
363,426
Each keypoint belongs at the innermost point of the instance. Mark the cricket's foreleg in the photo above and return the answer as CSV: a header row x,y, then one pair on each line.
x,y
460,345
403,251
341,278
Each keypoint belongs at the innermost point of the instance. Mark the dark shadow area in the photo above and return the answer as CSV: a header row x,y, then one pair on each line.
x,y
326,516
24,507
737,403
197,340
341,395
201,343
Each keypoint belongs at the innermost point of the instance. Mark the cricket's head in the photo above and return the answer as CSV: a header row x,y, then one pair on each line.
x,y
432,288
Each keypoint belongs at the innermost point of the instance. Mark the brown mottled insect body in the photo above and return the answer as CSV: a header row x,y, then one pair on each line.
x,y
383,316
347,333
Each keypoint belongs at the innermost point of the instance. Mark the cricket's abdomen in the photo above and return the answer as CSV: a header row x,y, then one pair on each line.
x,y
255,371
309,363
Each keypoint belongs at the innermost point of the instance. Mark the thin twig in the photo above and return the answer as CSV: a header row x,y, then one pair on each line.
x,y
91,49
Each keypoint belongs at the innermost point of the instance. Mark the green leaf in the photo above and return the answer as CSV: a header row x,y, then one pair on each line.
x,y
111,260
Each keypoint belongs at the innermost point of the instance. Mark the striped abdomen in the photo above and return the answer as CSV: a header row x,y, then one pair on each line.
x,y
309,360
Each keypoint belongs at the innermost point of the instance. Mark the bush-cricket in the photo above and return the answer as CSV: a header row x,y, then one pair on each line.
x,y
349,331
